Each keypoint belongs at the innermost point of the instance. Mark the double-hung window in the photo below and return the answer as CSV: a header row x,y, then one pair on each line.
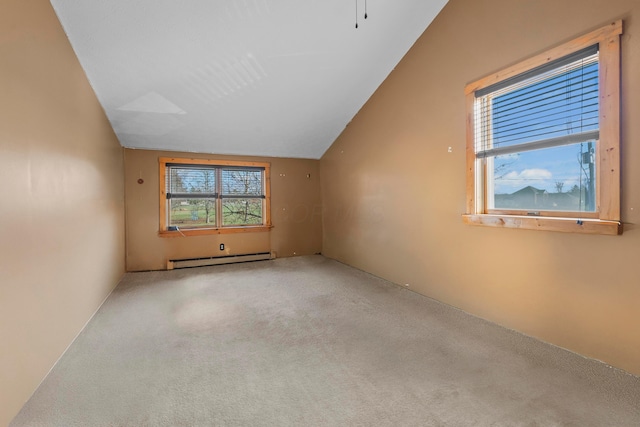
x,y
199,196
543,140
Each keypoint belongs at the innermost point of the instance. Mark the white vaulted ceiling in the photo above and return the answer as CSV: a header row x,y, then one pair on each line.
x,y
256,77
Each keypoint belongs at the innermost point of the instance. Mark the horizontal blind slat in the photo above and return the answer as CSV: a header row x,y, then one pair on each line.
x,y
537,145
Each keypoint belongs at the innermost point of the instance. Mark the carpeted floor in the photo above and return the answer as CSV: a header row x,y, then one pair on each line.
x,y
310,342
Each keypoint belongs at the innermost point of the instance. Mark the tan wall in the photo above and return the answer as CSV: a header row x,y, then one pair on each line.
x,y
61,199
393,195
295,212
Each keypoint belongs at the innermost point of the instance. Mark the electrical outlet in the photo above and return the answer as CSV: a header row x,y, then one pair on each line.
x,y
222,246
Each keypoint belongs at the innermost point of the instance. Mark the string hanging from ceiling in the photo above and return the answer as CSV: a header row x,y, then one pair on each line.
x,y
365,11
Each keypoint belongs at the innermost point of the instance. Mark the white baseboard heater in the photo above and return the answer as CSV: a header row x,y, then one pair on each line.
x,y
217,260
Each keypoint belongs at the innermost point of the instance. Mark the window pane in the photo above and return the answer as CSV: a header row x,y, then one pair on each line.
x,y
554,179
191,180
241,211
192,212
242,182
553,104
561,105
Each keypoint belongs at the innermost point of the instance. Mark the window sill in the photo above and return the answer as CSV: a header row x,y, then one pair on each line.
x,y
186,232
567,225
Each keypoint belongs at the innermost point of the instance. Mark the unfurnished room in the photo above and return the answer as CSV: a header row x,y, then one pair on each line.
x,y
328,213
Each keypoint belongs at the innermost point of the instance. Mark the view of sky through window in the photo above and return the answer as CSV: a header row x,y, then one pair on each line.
x,y
541,109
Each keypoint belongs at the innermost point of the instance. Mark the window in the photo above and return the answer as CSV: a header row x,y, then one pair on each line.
x,y
199,196
543,140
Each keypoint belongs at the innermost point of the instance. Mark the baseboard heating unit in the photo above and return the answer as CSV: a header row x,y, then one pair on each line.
x,y
217,260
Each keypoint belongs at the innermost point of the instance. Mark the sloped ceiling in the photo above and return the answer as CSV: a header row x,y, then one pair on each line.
x,y
255,77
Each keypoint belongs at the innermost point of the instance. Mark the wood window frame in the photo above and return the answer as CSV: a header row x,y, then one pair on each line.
x,y
606,219
200,231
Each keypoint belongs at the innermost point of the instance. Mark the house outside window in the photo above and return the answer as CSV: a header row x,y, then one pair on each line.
x,y
543,140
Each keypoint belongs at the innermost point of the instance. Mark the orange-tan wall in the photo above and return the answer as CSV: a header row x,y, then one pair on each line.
x,y
295,213
393,194
61,199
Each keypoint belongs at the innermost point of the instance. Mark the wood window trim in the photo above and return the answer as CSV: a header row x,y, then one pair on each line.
x,y
187,232
607,218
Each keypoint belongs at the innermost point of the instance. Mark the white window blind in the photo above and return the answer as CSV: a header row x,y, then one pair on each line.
x,y
552,105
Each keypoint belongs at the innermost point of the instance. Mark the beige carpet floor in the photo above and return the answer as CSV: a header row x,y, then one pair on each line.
x,y
310,342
